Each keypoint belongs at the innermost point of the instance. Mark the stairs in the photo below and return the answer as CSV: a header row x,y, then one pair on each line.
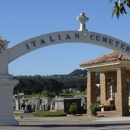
x,y
106,113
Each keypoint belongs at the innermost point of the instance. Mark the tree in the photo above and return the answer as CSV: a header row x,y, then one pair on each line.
x,y
53,87
120,7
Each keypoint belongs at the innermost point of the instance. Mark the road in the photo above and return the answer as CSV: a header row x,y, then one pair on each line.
x,y
70,123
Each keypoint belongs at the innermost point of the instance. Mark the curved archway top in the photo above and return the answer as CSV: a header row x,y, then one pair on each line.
x,y
68,37
81,36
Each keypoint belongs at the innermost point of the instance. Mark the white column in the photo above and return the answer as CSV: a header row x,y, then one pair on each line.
x,y
111,92
6,102
6,88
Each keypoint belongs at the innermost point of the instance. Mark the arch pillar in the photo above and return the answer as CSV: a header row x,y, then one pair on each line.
x,y
6,88
122,93
91,91
6,102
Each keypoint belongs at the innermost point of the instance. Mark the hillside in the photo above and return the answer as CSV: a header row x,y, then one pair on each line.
x,y
78,73
36,84
75,79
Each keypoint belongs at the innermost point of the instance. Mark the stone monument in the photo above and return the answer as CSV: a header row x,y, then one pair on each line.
x,y
82,19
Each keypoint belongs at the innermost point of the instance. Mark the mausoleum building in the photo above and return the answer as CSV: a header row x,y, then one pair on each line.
x,y
114,70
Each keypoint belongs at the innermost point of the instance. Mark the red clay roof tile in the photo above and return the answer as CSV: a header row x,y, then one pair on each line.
x,y
113,56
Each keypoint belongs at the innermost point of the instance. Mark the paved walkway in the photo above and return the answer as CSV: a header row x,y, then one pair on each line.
x,y
70,123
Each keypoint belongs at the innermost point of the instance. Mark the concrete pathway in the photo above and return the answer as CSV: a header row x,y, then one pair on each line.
x,y
70,123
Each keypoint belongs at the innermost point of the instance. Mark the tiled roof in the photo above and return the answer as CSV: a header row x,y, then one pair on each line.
x,y
113,56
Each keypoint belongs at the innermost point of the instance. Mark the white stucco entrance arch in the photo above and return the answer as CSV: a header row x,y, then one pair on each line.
x,y
68,37
7,55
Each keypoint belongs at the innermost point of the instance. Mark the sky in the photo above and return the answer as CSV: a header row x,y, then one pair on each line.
x,y
25,19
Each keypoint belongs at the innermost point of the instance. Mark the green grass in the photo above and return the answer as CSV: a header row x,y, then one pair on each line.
x,y
35,95
48,114
64,94
70,95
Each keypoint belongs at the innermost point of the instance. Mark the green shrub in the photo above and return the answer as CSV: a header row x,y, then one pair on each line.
x,y
73,108
94,107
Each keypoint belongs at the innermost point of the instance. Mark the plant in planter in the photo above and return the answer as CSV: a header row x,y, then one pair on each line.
x,y
73,108
94,107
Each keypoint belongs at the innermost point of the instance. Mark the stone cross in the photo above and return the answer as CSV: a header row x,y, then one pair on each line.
x,y
82,19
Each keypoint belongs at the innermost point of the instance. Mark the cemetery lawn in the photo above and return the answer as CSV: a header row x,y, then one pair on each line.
x,y
35,95
71,94
48,113
64,95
